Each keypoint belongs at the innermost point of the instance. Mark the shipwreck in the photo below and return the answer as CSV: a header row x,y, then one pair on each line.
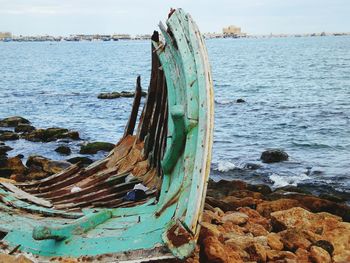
x,y
99,212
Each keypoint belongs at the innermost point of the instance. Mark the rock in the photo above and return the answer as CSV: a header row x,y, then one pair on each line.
x,y
293,239
5,172
274,241
282,256
261,188
13,121
51,134
127,94
4,149
20,156
8,136
216,252
16,165
81,160
252,166
302,255
240,100
94,147
255,218
255,229
241,202
64,150
46,165
273,156
292,189
326,245
246,193
236,218
319,255
24,128
223,188
108,96
257,252
265,208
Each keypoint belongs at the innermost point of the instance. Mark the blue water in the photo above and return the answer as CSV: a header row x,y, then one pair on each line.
x,y
297,93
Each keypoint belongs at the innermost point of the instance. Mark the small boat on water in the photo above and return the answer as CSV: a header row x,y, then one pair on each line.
x,y
145,199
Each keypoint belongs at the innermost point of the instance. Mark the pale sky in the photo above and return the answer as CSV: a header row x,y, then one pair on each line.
x,y
64,17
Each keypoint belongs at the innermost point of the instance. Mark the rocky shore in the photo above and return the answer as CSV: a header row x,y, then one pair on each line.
x,y
241,222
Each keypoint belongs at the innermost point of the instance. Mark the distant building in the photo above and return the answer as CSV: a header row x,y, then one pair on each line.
x,y
5,36
233,31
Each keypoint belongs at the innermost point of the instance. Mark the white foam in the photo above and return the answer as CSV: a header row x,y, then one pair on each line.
x,y
225,166
283,180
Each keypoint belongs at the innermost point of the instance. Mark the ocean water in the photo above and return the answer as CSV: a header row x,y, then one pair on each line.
x,y
297,93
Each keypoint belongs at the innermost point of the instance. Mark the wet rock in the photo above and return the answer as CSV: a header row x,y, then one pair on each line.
x,y
108,96
319,255
94,147
13,121
252,166
16,165
274,155
24,128
240,100
267,207
292,189
81,160
4,149
46,165
260,188
223,188
8,136
51,134
115,95
332,197
64,150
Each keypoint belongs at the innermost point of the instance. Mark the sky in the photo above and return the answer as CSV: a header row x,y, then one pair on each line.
x,y
64,17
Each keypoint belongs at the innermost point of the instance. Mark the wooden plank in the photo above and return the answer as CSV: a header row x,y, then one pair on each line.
x,y
20,194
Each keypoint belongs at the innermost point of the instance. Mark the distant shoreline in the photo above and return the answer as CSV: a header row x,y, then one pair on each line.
x,y
110,38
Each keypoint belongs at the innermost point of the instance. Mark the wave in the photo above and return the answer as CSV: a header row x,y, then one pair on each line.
x,y
283,180
225,166
312,145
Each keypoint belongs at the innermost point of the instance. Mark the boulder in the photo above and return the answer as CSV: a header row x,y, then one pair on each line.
x,y
51,134
265,208
236,218
217,252
63,149
319,255
274,155
274,241
81,160
115,95
24,128
256,252
293,239
4,149
13,121
240,100
13,166
8,136
46,165
94,147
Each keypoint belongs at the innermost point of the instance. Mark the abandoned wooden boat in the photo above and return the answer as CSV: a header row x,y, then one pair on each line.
x,y
88,212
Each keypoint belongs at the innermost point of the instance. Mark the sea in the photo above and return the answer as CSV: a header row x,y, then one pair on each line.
x,y
296,92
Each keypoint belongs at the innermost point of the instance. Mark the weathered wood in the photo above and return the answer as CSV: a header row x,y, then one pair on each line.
x,y
129,130
20,194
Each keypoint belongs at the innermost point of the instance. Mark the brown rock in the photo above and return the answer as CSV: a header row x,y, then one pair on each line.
x,y
216,252
284,256
267,207
302,255
246,193
16,165
207,230
229,227
47,165
274,241
293,239
255,229
241,202
256,252
319,255
224,188
256,218
236,218
210,217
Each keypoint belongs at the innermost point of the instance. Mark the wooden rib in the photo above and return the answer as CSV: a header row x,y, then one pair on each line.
x,y
129,129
